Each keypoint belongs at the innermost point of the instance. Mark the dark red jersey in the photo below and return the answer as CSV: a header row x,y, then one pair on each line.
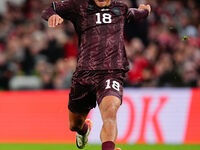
x,y
100,31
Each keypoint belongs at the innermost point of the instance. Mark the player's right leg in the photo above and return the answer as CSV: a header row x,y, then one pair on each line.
x,y
108,108
79,124
109,98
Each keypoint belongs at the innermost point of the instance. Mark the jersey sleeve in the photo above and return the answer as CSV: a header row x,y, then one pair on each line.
x,y
65,9
137,15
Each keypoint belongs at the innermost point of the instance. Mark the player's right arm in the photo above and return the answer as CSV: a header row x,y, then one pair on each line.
x,y
54,20
59,11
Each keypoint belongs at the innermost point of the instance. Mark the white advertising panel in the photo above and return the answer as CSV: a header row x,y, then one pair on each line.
x,y
152,116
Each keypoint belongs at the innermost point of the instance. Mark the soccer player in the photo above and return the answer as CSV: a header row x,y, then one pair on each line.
x,y
101,63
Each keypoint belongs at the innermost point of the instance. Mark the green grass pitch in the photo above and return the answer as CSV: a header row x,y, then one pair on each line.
x,y
94,147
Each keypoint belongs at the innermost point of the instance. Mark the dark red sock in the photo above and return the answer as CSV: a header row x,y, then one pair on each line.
x,y
109,145
84,130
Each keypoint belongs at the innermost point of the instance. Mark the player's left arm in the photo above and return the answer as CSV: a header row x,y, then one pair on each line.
x,y
138,14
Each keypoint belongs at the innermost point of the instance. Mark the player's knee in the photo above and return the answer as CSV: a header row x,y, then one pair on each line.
x,y
109,118
110,113
109,107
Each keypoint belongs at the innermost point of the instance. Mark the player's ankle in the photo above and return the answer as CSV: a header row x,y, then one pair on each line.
x,y
108,145
84,130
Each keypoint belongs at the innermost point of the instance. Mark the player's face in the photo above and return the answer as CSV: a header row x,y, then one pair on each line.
x,y
102,3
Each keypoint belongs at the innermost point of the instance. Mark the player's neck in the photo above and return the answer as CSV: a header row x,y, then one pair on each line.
x,y
102,4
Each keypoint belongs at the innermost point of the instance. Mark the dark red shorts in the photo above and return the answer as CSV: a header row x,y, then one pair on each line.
x,y
90,87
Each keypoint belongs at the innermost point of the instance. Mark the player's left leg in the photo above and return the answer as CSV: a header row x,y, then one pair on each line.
x,y
78,123
81,101
108,108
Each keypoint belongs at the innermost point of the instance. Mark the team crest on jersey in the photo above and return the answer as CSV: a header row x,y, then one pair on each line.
x,y
116,11
90,7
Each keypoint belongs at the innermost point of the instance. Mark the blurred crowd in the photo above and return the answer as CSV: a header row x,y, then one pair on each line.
x,y
163,51
171,55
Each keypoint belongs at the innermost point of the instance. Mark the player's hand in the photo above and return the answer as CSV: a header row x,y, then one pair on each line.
x,y
147,7
55,20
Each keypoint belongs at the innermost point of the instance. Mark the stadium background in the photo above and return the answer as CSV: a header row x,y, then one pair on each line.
x,y
161,99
